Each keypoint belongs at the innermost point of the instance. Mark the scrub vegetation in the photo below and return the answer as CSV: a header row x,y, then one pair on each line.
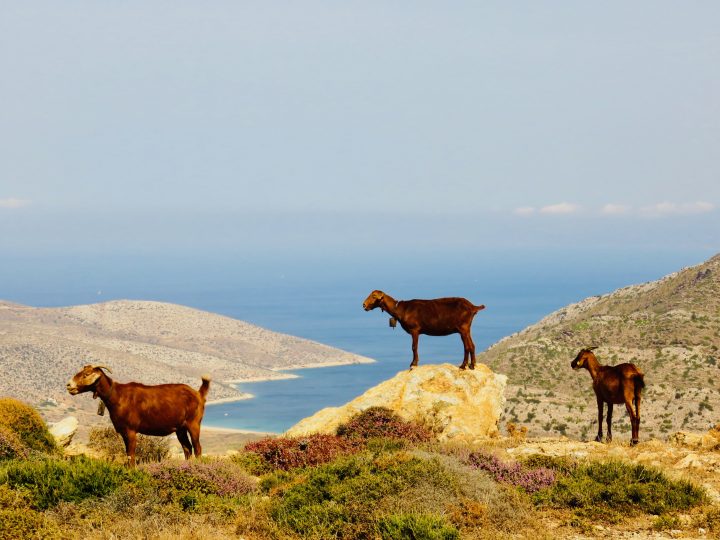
x,y
383,482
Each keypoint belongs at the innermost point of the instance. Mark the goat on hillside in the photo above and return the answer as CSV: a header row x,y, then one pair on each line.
x,y
439,317
613,385
151,410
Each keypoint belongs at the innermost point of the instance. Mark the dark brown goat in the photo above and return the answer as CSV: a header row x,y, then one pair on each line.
x,y
151,410
613,385
439,317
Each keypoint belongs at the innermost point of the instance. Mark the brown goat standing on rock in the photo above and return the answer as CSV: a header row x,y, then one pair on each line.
x,y
439,317
151,410
613,385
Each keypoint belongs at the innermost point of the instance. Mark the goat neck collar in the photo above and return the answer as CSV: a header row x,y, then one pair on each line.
x,y
387,300
97,390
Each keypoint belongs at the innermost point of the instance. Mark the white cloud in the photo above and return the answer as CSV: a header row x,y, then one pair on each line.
x,y
677,209
524,211
560,208
13,203
615,209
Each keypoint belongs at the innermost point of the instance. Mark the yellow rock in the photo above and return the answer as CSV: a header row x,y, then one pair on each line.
x,y
460,404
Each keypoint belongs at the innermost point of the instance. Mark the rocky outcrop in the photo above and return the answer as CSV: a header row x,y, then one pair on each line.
x,y
697,441
64,430
459,405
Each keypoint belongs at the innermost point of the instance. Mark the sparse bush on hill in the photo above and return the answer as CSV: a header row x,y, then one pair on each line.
x,y
11,447
378,422
608,490
406,526
25,422
219,477
291,452
49,481
149,449
346,498
529,479
16,523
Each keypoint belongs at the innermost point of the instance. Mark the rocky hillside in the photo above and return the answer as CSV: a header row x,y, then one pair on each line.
x,y
41,348
670,328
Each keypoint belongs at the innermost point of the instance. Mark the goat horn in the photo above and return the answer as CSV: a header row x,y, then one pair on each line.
x,y
97,366
592,348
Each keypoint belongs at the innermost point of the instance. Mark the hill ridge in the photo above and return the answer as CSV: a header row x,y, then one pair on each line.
x,y
670,327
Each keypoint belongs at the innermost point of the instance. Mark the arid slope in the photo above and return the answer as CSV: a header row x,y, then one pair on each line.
x,y
670,328
151,342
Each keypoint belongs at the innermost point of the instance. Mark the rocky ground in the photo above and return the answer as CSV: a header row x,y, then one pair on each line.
x,y
669,328
151,342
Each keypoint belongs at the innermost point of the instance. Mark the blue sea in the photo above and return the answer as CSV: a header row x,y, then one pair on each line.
x,y
324,303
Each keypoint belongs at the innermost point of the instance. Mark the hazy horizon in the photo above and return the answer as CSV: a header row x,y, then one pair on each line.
x,y
354,136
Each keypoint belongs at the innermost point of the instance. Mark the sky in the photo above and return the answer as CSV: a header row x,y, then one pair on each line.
x,y
357,131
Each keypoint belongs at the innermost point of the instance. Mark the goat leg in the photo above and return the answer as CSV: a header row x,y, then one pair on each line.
x,y
600,419
466,351
416,358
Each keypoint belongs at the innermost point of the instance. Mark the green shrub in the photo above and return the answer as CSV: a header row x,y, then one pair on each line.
x,y
149,449
381,422
26,523
413,526
609,490
26,423
560,464
14,498
11,447
666,522
50,481
346,498
252,463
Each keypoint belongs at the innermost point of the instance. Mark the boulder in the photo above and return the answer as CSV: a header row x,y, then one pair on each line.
x,y
456,404
64,430
697,441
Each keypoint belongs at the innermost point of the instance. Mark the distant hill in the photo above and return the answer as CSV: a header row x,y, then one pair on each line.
x,y
151,342
670,328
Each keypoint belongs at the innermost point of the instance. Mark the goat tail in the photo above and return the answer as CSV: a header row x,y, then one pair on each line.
x,y
639,379
479,308
205,386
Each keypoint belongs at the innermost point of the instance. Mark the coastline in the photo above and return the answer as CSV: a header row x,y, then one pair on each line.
x,y
230,399
325,364
283,376
215,429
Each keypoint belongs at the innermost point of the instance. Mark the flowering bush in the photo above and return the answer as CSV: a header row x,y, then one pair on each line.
x,y
220,477
382,422
290,452
531,480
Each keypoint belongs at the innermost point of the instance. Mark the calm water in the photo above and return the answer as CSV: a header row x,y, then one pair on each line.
x,y
324,305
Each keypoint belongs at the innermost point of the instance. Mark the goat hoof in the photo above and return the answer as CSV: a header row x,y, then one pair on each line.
x,y
599,439
463,367
633,442
472,366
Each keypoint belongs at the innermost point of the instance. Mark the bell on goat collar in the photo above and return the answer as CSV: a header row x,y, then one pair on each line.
x,y
393,322
101,409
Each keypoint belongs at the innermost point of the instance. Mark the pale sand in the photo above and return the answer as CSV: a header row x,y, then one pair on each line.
x,y
281,377
324,364
230,399
233,430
